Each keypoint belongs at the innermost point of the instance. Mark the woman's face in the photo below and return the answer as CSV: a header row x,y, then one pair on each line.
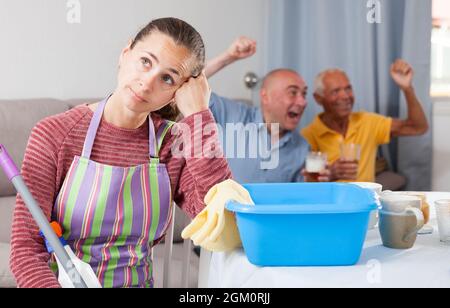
x,y
151,72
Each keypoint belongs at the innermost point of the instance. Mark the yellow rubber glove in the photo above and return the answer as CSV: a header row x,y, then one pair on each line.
x,y
214,228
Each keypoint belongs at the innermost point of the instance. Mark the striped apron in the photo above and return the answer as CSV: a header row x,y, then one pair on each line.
x,y
111,216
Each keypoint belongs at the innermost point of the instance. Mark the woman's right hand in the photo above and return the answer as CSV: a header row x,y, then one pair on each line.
x,y
193,96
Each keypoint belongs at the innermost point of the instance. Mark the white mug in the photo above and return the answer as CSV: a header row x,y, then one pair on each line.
x,y
377,190
400,219
398,203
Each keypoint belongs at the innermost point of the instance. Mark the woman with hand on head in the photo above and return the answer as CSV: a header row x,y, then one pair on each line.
x,y
106,171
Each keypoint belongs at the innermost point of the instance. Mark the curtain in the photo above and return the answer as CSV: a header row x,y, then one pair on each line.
x,y
363,38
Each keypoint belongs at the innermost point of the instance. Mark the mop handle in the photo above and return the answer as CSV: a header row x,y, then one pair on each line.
x,y
14,176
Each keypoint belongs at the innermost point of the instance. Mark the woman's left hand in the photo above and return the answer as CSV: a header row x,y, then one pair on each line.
x,y
193,96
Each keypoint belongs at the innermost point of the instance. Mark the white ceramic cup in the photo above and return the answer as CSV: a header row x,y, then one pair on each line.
x,y
377,190
425,207
398,203
397,227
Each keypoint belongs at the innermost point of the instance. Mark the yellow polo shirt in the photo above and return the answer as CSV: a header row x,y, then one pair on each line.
x,y
369,130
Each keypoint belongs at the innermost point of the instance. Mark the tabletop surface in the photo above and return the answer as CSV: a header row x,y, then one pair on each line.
x,y
427,264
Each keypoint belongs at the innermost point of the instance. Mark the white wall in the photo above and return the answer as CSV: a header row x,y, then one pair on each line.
x,y
441,146
42,55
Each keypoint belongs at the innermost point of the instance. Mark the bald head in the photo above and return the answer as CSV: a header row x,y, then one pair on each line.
x,y
283,98
274,76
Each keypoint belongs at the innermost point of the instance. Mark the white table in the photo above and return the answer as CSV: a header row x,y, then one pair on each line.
x,y
427,264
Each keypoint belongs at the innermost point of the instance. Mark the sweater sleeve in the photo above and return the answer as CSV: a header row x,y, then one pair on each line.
x,y
29,257
196,160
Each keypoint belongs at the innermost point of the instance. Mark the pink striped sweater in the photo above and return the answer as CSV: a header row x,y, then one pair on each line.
x,y
51,148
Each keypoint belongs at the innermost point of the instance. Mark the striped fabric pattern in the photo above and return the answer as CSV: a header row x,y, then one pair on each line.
x,y
53,144
111,215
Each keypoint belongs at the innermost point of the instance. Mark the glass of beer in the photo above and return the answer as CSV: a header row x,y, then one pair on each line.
x,y
316,162
350,152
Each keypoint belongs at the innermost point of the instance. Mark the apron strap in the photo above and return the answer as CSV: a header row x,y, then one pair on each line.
x,y
92,130
162,131
154,143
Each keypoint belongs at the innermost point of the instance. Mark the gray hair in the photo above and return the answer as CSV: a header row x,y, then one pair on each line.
x,y
318,81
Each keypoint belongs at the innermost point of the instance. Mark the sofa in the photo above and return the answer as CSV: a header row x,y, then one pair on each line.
x,y
17,118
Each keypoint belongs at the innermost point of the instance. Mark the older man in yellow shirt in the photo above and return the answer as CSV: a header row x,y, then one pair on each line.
x,y
339,125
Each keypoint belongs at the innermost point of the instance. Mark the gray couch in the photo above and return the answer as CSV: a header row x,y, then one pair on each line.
x,y
17,118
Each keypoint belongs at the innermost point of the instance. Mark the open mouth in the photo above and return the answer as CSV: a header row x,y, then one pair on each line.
x,y
293,114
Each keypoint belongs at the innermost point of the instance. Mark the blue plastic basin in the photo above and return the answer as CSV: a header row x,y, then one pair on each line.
x,y
304,224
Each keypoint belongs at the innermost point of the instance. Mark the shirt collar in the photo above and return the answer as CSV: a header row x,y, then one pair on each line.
x,y
286,138
321,129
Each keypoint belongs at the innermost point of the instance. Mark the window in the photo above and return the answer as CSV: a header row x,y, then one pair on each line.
x,y
440,49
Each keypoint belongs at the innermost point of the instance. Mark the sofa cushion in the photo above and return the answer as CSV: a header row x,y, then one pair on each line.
x,y
17,118
6,213
6,278
81,101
